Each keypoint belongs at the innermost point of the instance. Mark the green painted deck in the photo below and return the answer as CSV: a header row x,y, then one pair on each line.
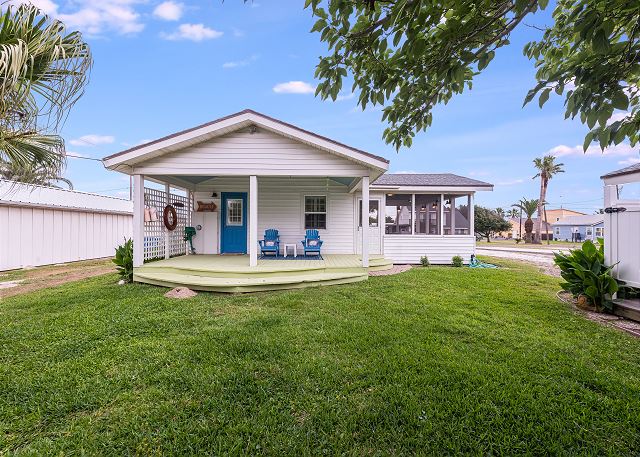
x,y
232,274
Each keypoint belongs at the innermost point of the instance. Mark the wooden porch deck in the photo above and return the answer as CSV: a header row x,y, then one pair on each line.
x,y
231,273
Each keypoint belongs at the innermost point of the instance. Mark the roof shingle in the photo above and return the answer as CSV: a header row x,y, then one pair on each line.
x,y
428,179
623,171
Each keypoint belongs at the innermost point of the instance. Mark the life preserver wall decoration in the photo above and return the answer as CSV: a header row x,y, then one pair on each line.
x,y
170,217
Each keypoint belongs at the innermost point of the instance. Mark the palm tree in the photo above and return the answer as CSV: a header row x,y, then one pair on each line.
x,y
43,71
529,207
41,176
500,212
547,169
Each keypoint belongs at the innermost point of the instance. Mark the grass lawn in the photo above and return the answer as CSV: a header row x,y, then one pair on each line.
x,y
437,360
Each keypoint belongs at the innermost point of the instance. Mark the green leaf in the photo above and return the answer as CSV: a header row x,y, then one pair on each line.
x,y
620,100
544,96
600,42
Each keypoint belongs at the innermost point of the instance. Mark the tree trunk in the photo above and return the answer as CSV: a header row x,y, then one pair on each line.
x,y
528,229
488,238
546,224
537,239
520,232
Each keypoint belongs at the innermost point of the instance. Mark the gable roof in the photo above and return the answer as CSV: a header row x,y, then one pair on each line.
x,y
635,168
428,180
233,122
587,219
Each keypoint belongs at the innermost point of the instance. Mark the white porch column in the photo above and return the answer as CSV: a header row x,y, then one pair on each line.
x,y
138,220
413,214
253,221
365,222
167,244
472,216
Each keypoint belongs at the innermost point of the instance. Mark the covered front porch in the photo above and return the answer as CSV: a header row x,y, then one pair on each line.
x,y
233,273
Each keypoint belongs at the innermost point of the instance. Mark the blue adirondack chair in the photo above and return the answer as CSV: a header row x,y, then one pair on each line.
x,y
271,243
312,243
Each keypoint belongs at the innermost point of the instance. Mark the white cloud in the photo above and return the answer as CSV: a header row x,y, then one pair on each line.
x,y
193,32
342,97
294,87
94,17
617,117
169,11
46,6
621,149
630,161
92,140
239,63
478,173
510,182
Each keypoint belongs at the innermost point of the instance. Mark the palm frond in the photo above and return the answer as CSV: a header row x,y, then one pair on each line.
x,y
32,149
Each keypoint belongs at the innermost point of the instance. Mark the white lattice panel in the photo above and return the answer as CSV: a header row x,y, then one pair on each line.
x,y
155,231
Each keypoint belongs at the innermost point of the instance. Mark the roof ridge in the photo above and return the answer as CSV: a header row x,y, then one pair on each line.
x,y
239,113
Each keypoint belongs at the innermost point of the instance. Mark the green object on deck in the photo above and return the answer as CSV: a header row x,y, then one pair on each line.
x,y
189,233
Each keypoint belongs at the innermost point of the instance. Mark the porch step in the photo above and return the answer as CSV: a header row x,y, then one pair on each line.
x,y
247,283
627,308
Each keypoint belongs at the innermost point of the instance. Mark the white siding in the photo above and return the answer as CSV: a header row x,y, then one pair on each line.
x,y
40,236
243,153
280,206
439,249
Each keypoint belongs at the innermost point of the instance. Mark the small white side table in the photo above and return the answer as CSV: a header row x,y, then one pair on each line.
x,y
295,249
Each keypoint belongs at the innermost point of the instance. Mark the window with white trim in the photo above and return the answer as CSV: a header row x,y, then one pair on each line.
x,y
315,212
234,212
599,232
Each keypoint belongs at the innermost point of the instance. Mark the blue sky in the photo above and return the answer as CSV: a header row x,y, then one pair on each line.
x,y
163,66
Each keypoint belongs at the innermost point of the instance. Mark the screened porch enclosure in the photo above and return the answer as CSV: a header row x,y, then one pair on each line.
x,y
428,214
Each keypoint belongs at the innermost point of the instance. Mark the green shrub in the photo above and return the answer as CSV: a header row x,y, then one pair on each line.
x,y
518,240
456,261
424,261
586,274
124,260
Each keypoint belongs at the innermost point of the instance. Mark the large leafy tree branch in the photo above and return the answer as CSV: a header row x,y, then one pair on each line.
x,y
411,55
591,55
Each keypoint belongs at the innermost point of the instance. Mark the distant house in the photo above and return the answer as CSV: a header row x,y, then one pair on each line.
x,y
579,228
556,215
553,215
515,231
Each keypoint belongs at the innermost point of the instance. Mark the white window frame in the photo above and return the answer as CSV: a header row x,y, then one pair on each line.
x,y
305,212
228,222
589,231
601,231
360,208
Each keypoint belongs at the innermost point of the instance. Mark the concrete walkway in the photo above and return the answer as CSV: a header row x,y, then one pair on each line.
x,y
543,251
543,260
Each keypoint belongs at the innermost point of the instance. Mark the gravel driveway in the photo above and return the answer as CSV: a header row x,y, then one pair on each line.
x,y
542,260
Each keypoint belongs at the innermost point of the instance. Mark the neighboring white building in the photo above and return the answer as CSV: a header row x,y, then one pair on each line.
x,y
264,173
42,225
622,223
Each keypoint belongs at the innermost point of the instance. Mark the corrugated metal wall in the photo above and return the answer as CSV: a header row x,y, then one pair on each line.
x,y
34,231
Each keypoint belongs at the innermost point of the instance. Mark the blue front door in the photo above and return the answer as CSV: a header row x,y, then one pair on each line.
x,y
234,223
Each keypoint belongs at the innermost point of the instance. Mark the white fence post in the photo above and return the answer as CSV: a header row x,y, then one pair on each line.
x,y
138,220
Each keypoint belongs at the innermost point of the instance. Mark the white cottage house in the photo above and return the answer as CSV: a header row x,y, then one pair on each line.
x,y
245,173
